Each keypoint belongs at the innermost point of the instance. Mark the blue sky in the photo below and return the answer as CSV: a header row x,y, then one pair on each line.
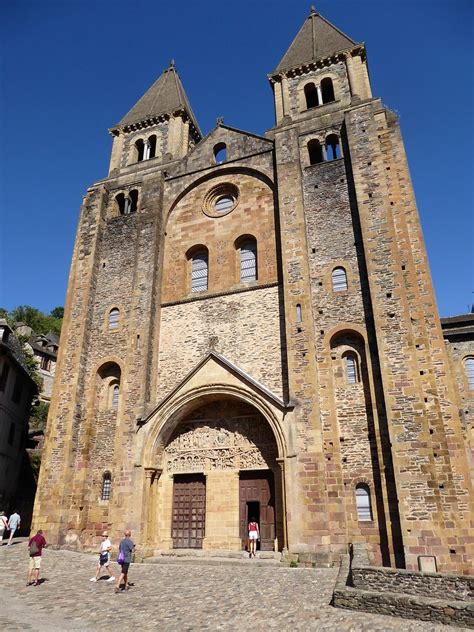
x,y
71,69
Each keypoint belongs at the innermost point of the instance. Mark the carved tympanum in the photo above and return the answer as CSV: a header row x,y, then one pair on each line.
x,y
224,444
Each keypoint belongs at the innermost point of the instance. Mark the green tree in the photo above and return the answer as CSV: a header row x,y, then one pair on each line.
x,y
39,322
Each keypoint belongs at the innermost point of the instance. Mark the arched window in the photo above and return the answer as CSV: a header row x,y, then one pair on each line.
x,y
106,486
311,95
133,195
469,368
327,90
248,261
114,395
114,315
339,280
333,150
220,152
120,199
199,271
315,152
299,313
352,368
364,509
140,149
152,144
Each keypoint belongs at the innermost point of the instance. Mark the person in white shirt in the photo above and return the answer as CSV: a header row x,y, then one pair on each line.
x,y
104,558
3,525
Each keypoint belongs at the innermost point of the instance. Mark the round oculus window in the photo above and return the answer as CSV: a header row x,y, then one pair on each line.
x,y
221,200
224,203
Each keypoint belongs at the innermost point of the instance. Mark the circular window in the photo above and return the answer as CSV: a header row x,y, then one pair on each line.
x,y
224,204
221,200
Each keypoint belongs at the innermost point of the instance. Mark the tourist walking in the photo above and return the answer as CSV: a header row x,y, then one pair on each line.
x,y
13,524
104,558
124,558
35,546
3,525
254,535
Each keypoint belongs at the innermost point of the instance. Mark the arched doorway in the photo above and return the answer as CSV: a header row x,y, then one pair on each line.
x,y
220,468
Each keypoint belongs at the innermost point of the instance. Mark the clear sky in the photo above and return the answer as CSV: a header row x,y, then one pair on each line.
x,y
72,68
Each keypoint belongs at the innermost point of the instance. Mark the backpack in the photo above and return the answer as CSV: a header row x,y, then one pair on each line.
x,y
34,549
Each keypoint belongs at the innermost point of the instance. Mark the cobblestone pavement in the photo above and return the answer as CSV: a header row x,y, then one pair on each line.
x,y
176,597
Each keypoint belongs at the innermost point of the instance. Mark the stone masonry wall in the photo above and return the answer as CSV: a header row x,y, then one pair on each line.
x,y
243,327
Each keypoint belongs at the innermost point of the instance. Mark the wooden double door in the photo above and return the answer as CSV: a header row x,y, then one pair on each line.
x,y
189,511
257,501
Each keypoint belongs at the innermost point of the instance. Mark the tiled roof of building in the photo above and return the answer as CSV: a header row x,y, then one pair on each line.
x,y
316,39
165,96
45,343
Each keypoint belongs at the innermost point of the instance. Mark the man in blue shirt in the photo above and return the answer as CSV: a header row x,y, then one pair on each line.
x,y
126,547
13,525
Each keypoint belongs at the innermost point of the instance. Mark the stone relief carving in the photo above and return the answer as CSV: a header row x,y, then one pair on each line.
x,y
223,444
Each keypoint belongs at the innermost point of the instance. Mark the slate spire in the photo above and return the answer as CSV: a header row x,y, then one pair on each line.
x,y
165,96
316,39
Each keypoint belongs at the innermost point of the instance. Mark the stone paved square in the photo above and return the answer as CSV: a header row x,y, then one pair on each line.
x,y
184,597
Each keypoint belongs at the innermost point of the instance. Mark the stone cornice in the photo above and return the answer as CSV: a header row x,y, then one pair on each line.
x,y
208,295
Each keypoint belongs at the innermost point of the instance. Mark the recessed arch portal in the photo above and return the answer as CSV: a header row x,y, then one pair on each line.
x,y
218,458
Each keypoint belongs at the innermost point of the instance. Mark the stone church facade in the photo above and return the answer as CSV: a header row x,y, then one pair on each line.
x,y
251,331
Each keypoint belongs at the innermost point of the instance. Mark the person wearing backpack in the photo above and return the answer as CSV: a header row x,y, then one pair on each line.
x,y
35,546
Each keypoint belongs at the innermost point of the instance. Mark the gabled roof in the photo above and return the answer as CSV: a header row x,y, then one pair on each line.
x,y
232,368
165,96
316,39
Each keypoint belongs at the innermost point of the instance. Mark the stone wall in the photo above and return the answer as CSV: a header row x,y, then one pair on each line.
x,y
245,328
371,590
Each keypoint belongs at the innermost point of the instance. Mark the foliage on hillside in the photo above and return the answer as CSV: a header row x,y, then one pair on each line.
x,y
38,321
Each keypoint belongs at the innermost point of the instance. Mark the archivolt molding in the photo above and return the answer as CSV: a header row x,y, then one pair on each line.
x,y
160,427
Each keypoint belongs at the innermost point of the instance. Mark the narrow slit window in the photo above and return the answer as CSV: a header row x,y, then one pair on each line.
x,y
248,262
339,280
115,396
114,315
364,510
106,487
299,313
469,368
352,369
200,272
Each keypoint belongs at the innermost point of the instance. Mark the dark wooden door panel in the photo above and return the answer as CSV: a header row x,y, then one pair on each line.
x,y
189,511
258,489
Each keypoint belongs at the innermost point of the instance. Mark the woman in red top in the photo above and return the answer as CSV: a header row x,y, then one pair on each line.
x,y
254,535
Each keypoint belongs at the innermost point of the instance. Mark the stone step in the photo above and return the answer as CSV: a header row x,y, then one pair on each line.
x,y
213,558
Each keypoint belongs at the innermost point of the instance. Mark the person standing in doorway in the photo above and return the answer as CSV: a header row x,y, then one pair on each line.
x,y
126,547
254,535
3,525
104,558
36,546
13,525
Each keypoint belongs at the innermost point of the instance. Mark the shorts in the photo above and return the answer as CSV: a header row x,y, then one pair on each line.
x,y
253,535
104,559
125,566
12,531
35,562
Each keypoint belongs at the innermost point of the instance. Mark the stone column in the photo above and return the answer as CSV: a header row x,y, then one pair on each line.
x,y
320,94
